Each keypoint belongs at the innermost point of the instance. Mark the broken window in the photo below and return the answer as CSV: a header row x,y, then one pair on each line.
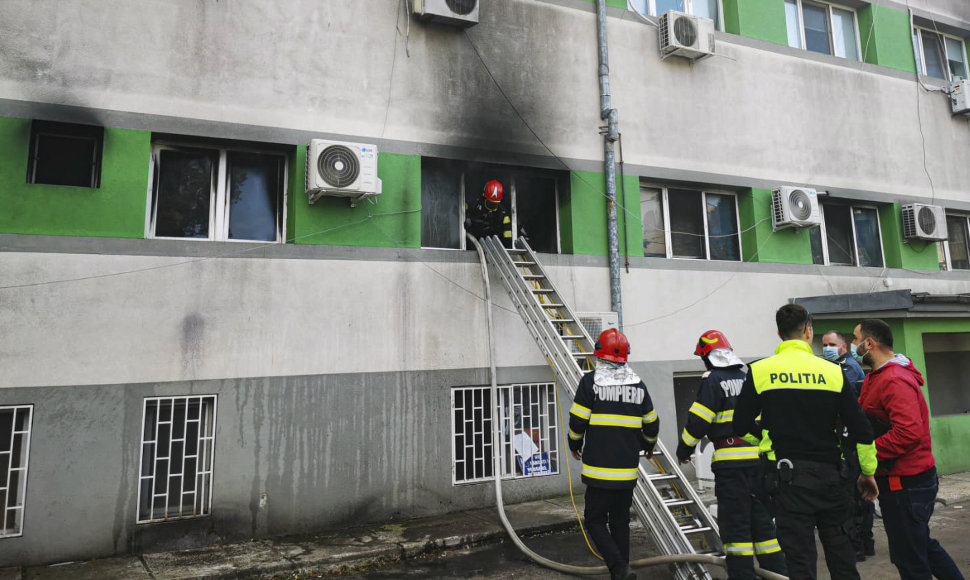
x,y
65,154
217,193
178,441
15,423
528,424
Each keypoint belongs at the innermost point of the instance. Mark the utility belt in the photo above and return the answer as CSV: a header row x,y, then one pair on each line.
x,y
803,473
730,442
900,482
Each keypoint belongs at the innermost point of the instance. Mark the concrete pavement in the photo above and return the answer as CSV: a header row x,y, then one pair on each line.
x,y
372,546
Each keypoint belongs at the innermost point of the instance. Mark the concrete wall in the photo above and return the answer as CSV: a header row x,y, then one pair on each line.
x,y
758,113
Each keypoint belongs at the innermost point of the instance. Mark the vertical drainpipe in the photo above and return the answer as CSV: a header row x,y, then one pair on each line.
x,y
608,113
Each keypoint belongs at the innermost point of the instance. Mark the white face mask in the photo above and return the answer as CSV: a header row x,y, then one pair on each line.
x,y
830,353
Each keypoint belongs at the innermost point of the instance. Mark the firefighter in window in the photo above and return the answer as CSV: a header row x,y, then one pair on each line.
x,y
488,217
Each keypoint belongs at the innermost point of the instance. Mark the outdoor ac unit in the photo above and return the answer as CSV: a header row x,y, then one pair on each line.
x,y
455,12
597,322
924,222
794,207
685,35
338,169
960,97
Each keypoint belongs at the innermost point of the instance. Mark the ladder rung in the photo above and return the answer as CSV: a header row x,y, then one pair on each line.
x,y
542,291
523,263
695,530
571,336
677,502
533,276
561,320
551,305
515,250
662,476
582,354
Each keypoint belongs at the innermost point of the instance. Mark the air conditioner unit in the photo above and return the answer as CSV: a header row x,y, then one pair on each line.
x,y
960,97
455,12
597,322
339,169
794,207
685,35
924,222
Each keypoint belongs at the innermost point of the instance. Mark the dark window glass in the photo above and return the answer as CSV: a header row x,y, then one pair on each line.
x,y
956,232
867,237
255,196
816,28
815,236
722,227
933,54
838,235
184,184
947,366
651,208
686,223
440,206
65,154
664,6
535,203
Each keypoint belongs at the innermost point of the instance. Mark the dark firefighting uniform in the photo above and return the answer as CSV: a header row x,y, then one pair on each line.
x,y
801,399
489,219
742,512
611,424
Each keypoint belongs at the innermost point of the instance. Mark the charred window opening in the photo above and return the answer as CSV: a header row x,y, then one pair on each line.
x,y
530,197
65,154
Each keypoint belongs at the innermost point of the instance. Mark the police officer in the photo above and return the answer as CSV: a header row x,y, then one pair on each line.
x,y
802,399
488,217
745,524
612,419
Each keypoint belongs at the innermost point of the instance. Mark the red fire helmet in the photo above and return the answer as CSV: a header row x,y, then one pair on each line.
x,y
493,191
612,345
711,341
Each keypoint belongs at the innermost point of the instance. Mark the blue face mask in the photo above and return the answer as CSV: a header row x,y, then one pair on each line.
x,y
830,353
855,355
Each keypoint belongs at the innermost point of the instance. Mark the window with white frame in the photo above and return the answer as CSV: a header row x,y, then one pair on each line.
x,y
703,225
822,27
178,441
939,55
849,236
954,251
704,8
528,424
212,191
15,422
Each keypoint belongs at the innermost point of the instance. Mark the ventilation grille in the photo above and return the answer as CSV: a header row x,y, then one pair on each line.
x,y
685,31
924,222
338,166
462,7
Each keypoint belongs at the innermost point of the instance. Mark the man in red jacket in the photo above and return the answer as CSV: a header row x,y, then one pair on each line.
x,y
892,399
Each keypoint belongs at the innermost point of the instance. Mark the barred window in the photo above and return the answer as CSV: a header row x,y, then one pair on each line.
x,y
528,422
178,440
15,425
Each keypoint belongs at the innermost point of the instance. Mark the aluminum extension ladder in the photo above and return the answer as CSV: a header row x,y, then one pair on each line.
x,y
664,500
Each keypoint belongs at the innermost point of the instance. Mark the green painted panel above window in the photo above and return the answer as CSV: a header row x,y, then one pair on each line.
x,y
760,243
114,207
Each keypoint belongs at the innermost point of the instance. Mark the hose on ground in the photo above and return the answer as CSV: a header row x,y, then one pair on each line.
x,y
497,472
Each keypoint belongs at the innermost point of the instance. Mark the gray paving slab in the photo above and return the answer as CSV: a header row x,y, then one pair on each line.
x,y
453,530
356,547
10,573
231,561
954,489
129,568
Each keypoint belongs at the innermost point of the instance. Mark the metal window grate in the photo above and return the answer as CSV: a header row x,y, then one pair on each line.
x,y
15,425
528,424
178,441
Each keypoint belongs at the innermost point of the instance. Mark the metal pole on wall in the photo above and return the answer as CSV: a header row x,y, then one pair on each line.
x,y
608,113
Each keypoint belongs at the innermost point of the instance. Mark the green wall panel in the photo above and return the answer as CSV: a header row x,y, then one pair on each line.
x,y
760,243
915,255
116,209
582,224
392,219
621,4
761,19
886,38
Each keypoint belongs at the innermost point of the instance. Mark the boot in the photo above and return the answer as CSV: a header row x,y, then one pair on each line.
x,y
870,548
622,571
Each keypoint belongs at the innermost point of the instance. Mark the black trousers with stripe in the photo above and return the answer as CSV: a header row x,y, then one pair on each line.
x,y
745,523
607,520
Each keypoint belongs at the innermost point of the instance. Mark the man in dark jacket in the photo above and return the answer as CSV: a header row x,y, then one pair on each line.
x,y
611,421
743,518
906,475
